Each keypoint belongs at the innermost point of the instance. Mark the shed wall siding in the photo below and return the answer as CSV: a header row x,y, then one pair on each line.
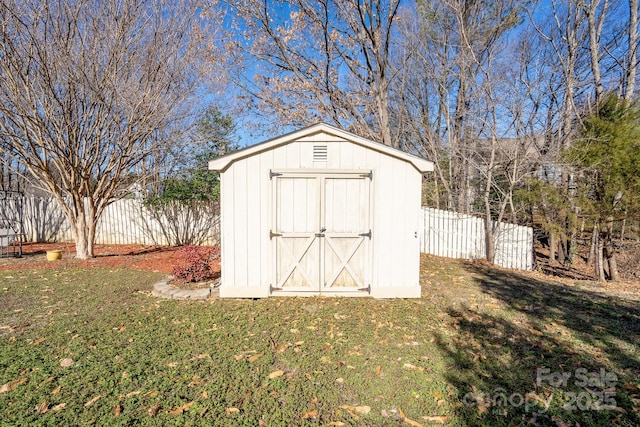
x,y
247,214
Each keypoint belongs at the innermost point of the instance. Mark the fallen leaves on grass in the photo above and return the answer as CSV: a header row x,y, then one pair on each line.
x,y
92,401
276,374
59,407
408,420
231,410
180,409
311,413
355,410
282,348
67,362
255,357
153,410
42,408
12,384
442,419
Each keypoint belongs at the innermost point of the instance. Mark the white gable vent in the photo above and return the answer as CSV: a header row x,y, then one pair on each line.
x,y
319,153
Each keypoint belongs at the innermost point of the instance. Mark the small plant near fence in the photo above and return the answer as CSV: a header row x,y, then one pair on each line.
x,y
194,264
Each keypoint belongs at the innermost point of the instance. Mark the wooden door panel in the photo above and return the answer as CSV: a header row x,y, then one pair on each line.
x,y
346,219
296,224
321,231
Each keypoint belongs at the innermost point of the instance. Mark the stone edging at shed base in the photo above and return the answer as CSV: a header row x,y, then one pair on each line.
x,y
164,289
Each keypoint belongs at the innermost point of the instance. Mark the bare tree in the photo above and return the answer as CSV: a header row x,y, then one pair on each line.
x,y
88,90
314,60
440,85
632,52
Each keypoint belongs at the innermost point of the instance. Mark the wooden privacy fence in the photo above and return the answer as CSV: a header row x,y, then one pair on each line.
x,y
126,221
454,235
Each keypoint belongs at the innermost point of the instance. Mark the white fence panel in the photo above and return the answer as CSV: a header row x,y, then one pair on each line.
x,y
455,235
126,221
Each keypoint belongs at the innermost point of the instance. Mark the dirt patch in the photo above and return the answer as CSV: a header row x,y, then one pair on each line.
x,y
151,258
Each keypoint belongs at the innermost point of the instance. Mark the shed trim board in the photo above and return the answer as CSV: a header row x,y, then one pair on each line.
x,y
221,163
320,211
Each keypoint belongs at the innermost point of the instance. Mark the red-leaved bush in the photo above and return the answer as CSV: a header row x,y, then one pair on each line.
x,y
193,265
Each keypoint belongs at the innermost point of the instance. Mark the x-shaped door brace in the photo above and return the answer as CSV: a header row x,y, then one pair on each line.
x,y
344,262
296,263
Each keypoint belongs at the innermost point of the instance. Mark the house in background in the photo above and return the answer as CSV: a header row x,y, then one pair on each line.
x,y
320,211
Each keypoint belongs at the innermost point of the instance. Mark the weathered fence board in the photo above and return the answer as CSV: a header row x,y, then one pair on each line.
x,y
454,235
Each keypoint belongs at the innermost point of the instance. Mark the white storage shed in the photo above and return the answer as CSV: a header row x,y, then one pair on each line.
x,y
320,211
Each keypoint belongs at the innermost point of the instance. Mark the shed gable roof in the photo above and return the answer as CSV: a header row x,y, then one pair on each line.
x,y
222,163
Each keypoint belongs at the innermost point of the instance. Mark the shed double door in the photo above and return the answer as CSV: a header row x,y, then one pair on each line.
x,y
321,231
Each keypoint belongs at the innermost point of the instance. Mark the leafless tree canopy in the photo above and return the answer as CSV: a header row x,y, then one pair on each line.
x,y
88,90
492,91
313,60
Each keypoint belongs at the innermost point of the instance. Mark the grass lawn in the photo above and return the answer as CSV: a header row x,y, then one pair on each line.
x,y
83,346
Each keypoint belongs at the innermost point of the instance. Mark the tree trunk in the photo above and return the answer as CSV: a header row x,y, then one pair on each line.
x,y
592,249
80,235
595,30
633,46
599,261
382,101
610,252
83,227
489,243
614,274
562,250
91,234
552,246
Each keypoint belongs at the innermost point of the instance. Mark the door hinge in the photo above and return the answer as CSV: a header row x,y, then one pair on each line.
x,y
272,174
367,289
367,234
274,289
367,175
272,234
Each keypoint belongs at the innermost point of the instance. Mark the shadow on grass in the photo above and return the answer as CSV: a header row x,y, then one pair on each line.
x,y
497,350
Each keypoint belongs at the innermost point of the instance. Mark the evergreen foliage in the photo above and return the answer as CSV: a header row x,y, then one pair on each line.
x,y
608,158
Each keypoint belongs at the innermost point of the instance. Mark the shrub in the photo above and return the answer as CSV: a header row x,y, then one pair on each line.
x,y
193,264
